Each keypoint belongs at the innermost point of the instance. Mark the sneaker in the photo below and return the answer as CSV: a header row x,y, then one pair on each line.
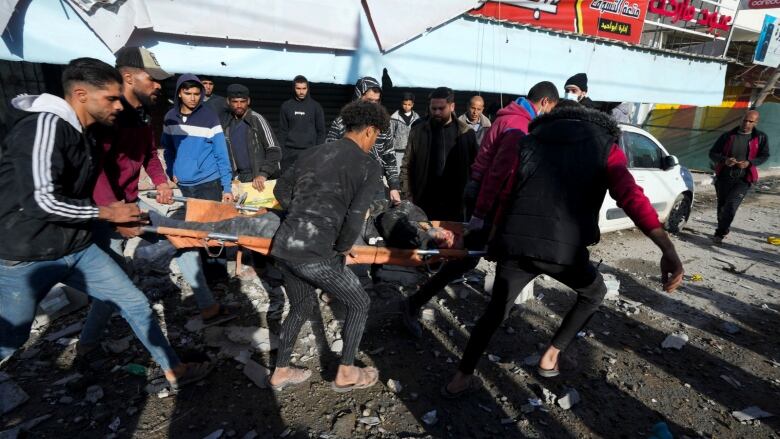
x,y
409,319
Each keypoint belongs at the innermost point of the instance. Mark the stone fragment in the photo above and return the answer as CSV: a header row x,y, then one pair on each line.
x,y
11,396
750,413
569,399
94,394
675,341
430,418
257,373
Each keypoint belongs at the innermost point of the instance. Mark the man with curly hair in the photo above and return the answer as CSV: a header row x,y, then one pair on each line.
x,y
326,194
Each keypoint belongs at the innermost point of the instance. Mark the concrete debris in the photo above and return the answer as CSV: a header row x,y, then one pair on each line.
x,y
119,346
430,418
532,360
257,373
734,383
344,424
67,379
194,324
17,432
114,425
750,413
243,357
369,420
94,394
64,332
675,341
729,328
11,396
260,339
60,301
549,397
489,280
337,345
428,315
251,434
526,294
613,287
494,358
569,399
394,385
215,435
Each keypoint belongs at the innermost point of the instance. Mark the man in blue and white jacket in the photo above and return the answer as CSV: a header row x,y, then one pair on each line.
x,y
196,156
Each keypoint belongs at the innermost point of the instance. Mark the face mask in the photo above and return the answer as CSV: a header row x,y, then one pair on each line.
x,y
571,97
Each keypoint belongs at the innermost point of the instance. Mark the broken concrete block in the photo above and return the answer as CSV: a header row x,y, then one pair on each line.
x,y
613,286
11,396
60,301
675,341
549,397
337,346
569,399
64,332
67,379
394,385
215,434
369,420
94,394
750,413
428,315
430,418
260,339
257,373
526,294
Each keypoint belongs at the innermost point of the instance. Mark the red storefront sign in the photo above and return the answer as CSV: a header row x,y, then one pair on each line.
x,y
683,10
615,19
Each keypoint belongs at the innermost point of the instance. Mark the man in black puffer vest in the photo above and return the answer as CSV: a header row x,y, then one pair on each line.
x,y
567,163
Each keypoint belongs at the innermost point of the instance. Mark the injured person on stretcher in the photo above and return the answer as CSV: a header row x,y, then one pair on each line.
x,y
403,226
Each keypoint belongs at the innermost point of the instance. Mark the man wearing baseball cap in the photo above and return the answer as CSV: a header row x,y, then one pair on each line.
x,y
128,146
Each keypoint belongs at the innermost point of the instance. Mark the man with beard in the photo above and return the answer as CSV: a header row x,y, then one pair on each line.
x,y
252,147
438,157
47,175
128,146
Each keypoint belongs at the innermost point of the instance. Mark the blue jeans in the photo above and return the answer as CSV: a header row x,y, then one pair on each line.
x,y
24,284
108,239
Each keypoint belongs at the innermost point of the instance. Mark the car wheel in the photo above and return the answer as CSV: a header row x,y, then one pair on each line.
x,y
678,216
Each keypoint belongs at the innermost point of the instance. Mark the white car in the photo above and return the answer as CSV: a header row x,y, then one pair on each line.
x,y
667,184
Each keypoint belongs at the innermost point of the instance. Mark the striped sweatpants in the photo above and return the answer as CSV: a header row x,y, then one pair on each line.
x,y
333,277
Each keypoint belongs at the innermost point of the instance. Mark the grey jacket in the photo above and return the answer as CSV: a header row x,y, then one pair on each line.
x,y
400,130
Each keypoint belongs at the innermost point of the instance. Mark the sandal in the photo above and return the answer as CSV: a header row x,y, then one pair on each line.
x,y
363,372
475,383
547,373
225,314
305,375
194,373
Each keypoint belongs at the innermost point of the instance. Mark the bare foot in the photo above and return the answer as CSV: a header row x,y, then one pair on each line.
x,y
549,360
283,374
459,382
351,375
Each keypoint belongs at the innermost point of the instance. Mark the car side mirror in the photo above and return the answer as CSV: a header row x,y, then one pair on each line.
x,y
670,162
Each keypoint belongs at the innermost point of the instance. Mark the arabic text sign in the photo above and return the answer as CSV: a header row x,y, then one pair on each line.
x,y
615,19
685,11
763,4
768,46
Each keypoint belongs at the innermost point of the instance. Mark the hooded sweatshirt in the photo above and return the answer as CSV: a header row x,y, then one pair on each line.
x,y
515,116
301,123
382,151
47,174
195,149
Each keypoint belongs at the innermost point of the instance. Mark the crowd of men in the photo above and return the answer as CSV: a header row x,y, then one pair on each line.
x,y
528,185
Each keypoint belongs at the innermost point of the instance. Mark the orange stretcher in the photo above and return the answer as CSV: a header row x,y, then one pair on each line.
x,y
212,211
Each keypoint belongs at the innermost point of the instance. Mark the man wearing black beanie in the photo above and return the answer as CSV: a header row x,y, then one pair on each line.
x,y
576,89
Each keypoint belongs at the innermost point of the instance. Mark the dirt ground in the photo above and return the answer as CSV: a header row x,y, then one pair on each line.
x,y
626,381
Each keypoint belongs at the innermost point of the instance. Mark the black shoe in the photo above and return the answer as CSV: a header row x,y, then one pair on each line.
x,y
409,319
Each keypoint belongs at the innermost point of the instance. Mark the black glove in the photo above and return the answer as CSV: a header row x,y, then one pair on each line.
x,y
470,193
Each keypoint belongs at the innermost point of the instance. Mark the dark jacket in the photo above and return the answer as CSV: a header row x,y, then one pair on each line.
x,y
263,148
301,123
416,162
326,194
47,174
758,152
382,151
217,103
553,210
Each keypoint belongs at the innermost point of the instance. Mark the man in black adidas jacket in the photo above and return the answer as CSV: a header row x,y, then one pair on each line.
x,y
47,175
